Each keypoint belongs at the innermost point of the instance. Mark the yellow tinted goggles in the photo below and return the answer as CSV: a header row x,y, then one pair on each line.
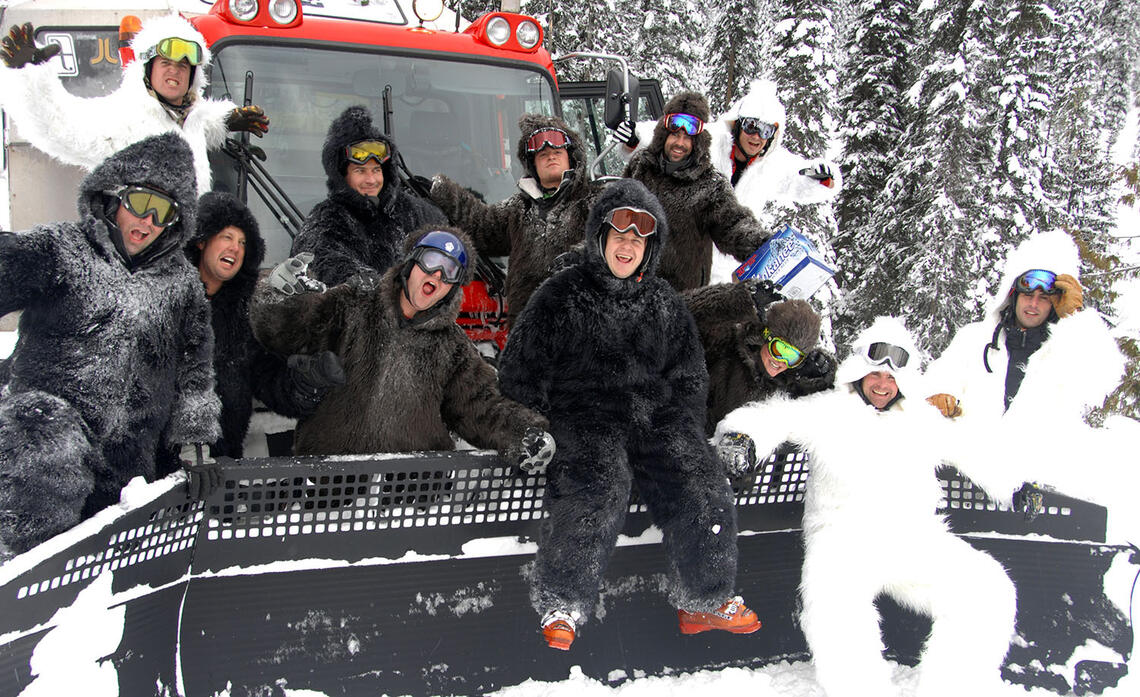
x,y
366,150
177,50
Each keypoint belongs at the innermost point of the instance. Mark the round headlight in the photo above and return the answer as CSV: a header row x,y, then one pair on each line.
x,y
427,10
527,34
283,11
243,10
498,31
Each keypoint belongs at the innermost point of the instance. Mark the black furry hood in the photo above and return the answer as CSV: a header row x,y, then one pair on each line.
x,y
631,193
163,162
354,125
218,210
529,123
686,103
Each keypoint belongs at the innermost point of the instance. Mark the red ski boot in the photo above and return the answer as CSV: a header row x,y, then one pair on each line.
x,y
558,629
733,617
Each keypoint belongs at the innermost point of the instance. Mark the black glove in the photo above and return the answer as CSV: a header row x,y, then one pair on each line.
x,y
738,453
251,119
821,173
313,376
626,133
764,293
1029,501
817,364
19,48
203,473
290,277
533,452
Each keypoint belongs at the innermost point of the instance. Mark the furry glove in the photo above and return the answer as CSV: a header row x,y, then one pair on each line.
x,y
946,403
203,473
312,377
251,119
533,452
1071,297
1029,501
19,47
290,277
738,453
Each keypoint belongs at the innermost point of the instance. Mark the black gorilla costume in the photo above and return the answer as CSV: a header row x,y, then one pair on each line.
x,y
616,366
113,363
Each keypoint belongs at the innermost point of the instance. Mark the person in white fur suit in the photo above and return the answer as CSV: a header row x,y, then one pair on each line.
x,y
161,92
870,524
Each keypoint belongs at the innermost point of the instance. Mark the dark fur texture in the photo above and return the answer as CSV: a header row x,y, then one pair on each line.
x,y
616,365
243,369
114,356
732,334
699,202
531,231
348,233
408,383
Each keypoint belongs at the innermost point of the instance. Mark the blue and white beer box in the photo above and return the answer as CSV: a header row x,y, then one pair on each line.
x,y
790,261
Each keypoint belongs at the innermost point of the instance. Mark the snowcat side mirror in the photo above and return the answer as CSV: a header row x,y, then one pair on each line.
x,y
618,95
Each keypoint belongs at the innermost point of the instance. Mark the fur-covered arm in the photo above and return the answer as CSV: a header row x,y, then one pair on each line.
x,y
475,409
730,224
328,233
800,188
526,364
28,263
685,369
197,409
271,382
489,226
305,323
768,423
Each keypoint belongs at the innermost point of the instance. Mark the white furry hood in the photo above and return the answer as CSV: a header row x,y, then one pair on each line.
x,y
889,330
759,102
1052,250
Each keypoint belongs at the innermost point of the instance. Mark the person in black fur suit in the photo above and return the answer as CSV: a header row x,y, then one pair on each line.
x,y
113,363
540,222
609,353
413,376
698,200
227,251
742,365
360,228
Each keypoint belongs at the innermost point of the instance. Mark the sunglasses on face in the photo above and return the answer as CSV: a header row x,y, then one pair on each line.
x,y
547,138
1037,279
640,221
430,260
143,202
683,122
365,150
177,50
881,352
756,127
783,351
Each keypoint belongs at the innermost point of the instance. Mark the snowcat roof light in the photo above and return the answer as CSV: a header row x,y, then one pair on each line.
x,y
274,14
498,30
507,30
427,10
243,10
528,34
283,11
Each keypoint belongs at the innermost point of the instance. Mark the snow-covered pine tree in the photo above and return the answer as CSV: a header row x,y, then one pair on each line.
x,y
577,25
732,53
664,42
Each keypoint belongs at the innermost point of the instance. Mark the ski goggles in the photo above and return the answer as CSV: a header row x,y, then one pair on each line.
x,y
783,351
756,127
431,260
143,202
177,50
881,352
363,151
1037,279
683,122
547,138
625,219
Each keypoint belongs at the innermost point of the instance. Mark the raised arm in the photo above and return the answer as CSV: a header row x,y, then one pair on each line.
x,y
489,226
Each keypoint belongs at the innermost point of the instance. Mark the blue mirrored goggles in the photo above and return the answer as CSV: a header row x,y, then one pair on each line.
x,y
756,127
431,260
683,122
1037,279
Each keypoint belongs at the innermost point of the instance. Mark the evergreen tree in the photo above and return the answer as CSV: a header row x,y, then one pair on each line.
x,y
732,58
664,43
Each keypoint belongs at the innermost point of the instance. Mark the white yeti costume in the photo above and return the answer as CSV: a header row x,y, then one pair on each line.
x,y
870,527
85,131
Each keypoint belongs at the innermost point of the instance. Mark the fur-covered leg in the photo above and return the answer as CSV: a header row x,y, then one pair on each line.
x,y
45,468
973,605
840,621
690,499
587,492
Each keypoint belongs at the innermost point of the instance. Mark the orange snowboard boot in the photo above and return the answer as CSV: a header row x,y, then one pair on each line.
x,y
733,617
558,629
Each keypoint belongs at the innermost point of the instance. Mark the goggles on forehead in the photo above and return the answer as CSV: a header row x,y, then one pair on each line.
x,y
881,352
756,127
431,260
143,202
547,138
783,351
363,151
640,221
1036,279
177,50
683,122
